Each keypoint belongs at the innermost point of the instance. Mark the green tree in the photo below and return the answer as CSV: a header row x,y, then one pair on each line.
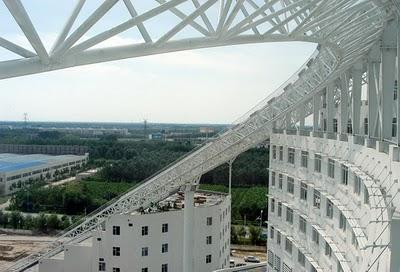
x,y
241,232
234,235
3,219
53,222
65,222
41,223
29,222
255,233
16,220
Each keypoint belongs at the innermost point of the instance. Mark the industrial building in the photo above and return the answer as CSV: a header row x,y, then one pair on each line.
x,y
152,239
17,170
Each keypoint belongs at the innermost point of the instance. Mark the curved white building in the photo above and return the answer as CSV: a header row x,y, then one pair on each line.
x,y
334,203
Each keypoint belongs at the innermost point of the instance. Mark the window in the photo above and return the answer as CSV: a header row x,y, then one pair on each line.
x,y
145,269
357,185
317,199
279,209
366,195
272,232
302,225
116,230
164,268
274,152
116,269
290,185
209,240
145,230
164,248
116,251
164,228
345,175
289,215
315,236
281,153
288,246
209,221
304,159
366,126
270,258
335,125
328,249
273,176
272,205
301,259
331,168
145,251
394,127
102,265
317,163
278,238
280,181
277,263
291,153
208,258
303,191
342,222
329,209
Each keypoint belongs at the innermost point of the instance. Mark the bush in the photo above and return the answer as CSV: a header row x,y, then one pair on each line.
x,y
255,233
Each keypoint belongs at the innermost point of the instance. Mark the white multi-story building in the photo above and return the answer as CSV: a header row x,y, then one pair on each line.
x,y
328,210
16,170
152,240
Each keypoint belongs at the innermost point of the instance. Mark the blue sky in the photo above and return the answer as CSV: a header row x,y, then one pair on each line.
x,y
214,85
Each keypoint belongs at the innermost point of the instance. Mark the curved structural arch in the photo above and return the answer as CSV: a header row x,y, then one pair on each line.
x,y
357,49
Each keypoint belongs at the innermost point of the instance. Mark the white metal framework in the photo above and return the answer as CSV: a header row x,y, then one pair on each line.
x,y
346,31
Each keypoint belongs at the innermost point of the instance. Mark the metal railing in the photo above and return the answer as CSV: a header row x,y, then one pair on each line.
x,y
258,267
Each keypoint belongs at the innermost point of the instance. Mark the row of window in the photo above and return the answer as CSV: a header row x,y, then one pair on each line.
x,y
357,182
145,229
102,267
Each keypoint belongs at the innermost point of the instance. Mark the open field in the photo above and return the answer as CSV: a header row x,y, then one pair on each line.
x,y
13,247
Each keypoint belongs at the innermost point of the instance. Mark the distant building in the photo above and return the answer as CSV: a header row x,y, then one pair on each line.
x,y
91,131
153,240
206,130
157,136
44,149
16,170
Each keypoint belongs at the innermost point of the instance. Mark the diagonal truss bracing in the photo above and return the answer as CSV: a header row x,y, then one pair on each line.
x,y
345,31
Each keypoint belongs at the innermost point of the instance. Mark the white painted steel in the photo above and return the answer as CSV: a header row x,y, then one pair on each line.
x,y
344,30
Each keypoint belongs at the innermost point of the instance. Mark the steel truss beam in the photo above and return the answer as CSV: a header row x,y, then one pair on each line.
x,y
341,45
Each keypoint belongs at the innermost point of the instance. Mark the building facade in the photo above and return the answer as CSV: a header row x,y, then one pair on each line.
x,y
17,170
152,240
330,201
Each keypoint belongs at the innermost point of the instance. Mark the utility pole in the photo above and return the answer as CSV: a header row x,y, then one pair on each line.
x,y
145,129
25,120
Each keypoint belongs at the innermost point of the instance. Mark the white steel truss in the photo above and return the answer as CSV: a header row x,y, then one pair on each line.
x,y
345,31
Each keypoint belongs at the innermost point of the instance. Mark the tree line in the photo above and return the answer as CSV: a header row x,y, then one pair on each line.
x,y
42,223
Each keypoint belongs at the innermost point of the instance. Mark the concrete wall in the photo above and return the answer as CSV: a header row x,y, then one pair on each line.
x,y
352,248
130,241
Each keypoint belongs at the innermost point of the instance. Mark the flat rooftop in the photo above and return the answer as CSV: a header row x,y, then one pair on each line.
x,y
15,162
176,201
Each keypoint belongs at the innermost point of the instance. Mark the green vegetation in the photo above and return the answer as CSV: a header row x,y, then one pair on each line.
x,y
72,198
239,235
125,164
41,223
246,201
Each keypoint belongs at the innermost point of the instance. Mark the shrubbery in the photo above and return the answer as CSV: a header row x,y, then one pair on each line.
x,y
41,223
